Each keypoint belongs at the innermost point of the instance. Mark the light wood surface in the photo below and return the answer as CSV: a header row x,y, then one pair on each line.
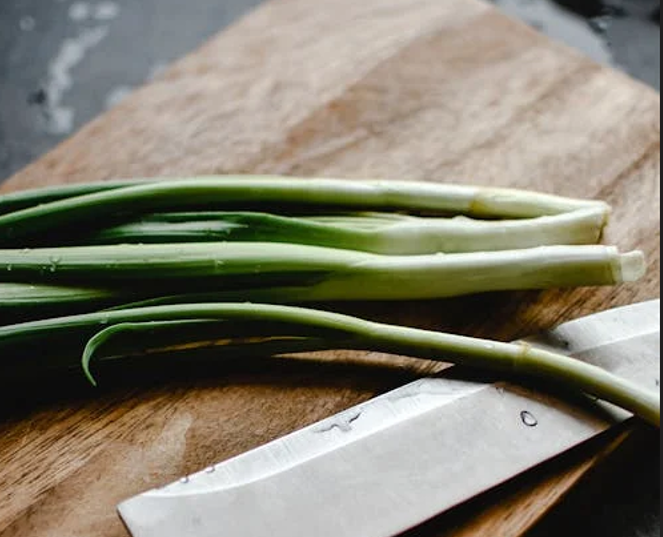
x,y
421,89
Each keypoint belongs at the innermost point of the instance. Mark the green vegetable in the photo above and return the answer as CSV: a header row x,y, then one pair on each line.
x,y
288,241
61,349
377,233
96,333
98,210
273,272
24,301
25,199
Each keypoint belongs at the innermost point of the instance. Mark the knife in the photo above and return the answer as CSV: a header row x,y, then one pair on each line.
x,y
398,460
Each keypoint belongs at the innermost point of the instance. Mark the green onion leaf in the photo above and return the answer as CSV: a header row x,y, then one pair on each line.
x,y
94,330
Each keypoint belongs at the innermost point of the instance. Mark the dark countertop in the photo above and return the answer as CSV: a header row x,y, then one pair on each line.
x,y
62,62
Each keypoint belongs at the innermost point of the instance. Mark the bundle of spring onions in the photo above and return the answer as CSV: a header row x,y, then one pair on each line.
x,y
88,267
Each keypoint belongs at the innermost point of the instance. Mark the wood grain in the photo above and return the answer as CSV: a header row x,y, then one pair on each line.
x,y
419,89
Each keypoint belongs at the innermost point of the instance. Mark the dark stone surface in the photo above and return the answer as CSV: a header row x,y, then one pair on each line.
x,y
62,62
623,33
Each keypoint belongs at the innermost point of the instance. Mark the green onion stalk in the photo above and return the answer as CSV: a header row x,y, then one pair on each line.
x,y
24,199
95,335
287,273
98,206
381,233
19,301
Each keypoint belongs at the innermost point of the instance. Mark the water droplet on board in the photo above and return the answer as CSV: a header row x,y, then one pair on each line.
x,y
528,419
210,470
185,480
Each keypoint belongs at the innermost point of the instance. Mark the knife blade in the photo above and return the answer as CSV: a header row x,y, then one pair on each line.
x,y
400,459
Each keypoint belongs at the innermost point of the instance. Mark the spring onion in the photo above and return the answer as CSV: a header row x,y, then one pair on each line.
x,y
378,233
320,273
24,301
98,209
94,335
24,199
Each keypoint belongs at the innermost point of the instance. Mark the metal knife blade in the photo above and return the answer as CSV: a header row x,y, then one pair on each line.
x,y
400,459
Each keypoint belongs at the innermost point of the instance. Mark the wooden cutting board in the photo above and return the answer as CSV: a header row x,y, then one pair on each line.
x,y
420,89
